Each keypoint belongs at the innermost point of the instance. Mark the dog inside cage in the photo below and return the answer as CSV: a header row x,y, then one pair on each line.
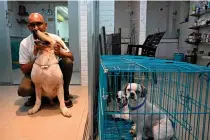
x,y
161,102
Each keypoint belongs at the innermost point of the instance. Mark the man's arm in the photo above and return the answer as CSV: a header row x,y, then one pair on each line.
x,y
66,54
58,52
26,68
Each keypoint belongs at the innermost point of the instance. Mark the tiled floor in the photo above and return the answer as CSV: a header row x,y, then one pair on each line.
x,y
17,77
47,124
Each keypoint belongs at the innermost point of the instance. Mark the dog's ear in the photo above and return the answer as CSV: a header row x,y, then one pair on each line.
x,y
125,89
144,91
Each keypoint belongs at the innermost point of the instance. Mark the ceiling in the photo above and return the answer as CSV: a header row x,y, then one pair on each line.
x,y
44,2
63,11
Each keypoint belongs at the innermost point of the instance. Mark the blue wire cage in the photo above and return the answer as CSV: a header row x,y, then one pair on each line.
x,y
180,90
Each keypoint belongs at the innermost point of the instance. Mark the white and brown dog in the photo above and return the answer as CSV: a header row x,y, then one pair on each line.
x,y
157,126
122,106
46,74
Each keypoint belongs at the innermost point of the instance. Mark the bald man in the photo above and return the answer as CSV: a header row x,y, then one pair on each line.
x,y
27,54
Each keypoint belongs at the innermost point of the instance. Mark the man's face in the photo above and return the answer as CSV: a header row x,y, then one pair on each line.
x,y
37,23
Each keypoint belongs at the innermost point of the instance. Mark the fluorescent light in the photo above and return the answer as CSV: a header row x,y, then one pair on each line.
x,y
65,8
65,11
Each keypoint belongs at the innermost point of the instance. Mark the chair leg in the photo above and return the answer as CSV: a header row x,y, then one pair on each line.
x,y
202,73
208,64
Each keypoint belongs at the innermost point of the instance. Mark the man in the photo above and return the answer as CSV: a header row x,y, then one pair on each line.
x,y
27,54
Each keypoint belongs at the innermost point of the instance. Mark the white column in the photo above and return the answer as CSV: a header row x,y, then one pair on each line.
x,y
83,41
142,29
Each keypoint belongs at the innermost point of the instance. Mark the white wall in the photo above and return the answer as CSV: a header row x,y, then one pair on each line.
x,y
161,17
15,28
22,30
107,15
126,21
165,20
122,17
136,19
157,19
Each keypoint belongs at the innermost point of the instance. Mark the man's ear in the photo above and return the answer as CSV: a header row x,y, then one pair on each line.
x,y
46,24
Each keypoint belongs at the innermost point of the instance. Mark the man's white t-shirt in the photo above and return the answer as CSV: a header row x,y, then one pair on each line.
x,y
26,50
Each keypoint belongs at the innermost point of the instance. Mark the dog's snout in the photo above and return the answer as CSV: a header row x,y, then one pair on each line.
x,y
116,96
34,30
132,94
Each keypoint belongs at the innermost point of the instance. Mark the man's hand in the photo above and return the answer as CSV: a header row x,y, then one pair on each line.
x,y
58,52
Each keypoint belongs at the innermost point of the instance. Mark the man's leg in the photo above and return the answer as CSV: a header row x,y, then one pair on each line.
x,y
26,88
66,66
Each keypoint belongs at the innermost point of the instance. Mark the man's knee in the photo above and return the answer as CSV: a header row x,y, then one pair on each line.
x,y
25,91
67,63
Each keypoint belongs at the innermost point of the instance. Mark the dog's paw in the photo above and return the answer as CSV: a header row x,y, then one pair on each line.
x,y
133,127
66,112
133,130
33,110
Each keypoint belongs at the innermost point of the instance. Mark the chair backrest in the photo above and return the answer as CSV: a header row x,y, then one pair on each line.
x,y
156,38
103,41
102,51
148,40
151,48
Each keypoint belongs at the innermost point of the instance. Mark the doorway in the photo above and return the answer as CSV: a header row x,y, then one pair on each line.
x,y
58,23
62,30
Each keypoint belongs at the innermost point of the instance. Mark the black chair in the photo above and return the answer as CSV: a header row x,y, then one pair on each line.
x,y
102,41
149,46
134,49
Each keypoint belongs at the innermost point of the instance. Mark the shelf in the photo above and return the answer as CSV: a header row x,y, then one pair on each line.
x,y
197,43
205,57
22,21
205,43
23,14
197,27
200,14
193,43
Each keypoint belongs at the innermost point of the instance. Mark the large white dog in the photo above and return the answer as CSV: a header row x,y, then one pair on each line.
x,y
157,125
46,74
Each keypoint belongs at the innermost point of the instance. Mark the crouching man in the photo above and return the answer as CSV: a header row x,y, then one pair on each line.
x,y
27,55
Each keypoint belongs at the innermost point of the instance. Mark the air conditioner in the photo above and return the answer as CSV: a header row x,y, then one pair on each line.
x,y
60,18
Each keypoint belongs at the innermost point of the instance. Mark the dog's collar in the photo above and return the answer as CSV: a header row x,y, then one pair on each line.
x,y
45,66
137,107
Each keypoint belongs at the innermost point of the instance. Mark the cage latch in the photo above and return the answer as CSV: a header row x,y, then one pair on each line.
x,y
105,97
